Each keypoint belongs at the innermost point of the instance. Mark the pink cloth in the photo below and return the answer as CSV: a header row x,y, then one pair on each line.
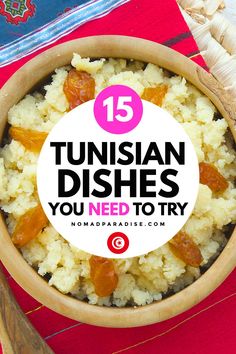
x,y
206,328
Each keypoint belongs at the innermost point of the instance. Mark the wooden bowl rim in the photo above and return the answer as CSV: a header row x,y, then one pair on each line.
x,y
123,47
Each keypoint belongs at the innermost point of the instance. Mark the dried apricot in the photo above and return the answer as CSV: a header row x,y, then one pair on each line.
x,y
29,226
79,87
103,275
31,139
210,176
155,94
186,249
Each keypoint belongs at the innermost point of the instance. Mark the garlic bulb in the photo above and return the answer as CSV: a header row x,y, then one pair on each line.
x,y
212,6
215,36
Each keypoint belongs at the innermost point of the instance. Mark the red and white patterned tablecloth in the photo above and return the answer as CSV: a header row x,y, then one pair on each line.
x,y
208,327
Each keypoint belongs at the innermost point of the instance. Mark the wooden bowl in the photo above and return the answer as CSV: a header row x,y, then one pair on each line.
x,y
121,47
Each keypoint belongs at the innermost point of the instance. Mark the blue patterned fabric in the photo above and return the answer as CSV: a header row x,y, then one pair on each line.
x,y
27,25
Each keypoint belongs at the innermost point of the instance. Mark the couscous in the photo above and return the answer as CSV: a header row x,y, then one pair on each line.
x,y
139,280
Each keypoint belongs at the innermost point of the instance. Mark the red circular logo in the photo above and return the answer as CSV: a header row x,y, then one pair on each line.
x,y
118,242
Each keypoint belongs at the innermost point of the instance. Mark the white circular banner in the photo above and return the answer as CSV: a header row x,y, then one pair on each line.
x,y
118,185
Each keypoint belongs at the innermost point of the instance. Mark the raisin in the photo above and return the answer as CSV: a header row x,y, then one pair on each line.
x,y
155,94
210,176
29,226
103,275
31,139
186,249
79,87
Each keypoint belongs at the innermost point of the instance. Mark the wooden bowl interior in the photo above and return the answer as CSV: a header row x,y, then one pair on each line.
x,y
30,75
